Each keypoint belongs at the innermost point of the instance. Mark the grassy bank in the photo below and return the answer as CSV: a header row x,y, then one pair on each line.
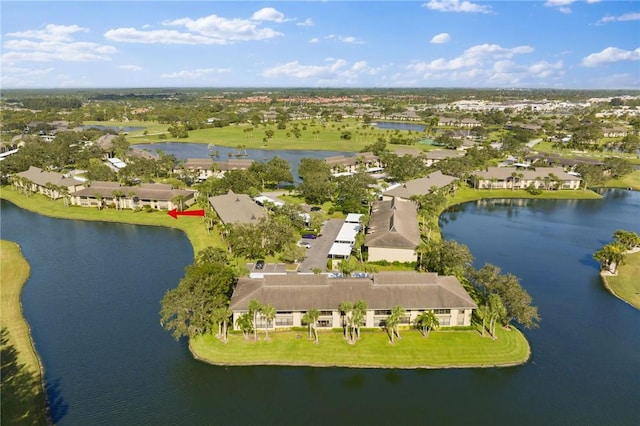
x,y
632,180
193,227
465,194
626,284
23,397
442,349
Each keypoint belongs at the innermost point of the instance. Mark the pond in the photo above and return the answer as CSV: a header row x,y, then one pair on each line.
x,y
92,302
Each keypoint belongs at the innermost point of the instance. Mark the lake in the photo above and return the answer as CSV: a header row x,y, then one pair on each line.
x,y
93,299
394,125
182,151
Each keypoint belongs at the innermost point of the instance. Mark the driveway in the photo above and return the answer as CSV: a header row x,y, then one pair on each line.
x,y
317,254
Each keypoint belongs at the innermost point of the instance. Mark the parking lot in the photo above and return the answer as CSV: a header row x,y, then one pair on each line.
x,y
317,254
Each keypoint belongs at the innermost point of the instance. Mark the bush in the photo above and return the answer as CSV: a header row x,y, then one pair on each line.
x,y
531,189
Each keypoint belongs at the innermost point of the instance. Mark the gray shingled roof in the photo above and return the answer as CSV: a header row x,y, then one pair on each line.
x,y
236,208
421,186
41,177
504,173
393,223
147,191
411,290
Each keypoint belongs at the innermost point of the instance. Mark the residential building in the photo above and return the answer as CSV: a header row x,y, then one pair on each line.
x,y
51,184
236,208
293,295
515,178
393,233
154,195
421,186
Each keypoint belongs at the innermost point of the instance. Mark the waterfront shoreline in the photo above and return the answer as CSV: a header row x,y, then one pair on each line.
x,y
611,288
18,331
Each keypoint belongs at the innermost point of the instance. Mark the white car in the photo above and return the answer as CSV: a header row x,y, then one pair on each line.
x,y
304,244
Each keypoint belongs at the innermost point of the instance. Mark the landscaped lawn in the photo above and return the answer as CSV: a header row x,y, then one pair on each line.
x,y
626,285
22,393
442,349
632,180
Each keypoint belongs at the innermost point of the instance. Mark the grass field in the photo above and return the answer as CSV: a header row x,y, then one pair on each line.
x,y
442,349
23,400
626,285
316,137
631,180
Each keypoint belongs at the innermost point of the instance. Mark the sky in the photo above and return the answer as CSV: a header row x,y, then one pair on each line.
x,y
564,44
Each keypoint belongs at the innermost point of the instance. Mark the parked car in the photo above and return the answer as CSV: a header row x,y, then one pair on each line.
x,y
315,209
305,244
260,264
309,236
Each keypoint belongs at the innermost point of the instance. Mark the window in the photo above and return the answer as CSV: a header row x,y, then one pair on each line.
x,y
442,311
382,312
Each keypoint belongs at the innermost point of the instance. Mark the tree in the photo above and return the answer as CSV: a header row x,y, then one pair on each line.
x,y
427,321
255,308
311,319
496,311
117,195
518,303
444,257
393,321
268,313
221,317
179,201
346,310
187,310
358,316
628,239
245,323
610,256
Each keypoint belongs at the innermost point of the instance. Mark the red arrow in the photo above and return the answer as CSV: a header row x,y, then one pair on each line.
x,y
175,213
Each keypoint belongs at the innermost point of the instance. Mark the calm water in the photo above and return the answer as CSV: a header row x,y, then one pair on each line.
x,y
392,125
93,299
183,151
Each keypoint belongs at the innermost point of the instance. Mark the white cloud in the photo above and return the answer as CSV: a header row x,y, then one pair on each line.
x,y
344,39
306,23
131,35
195,74
610,55
335,71
268,14
441,38
130,67
51,32
208,30
456,6
314,40
631,16
54,42
563,5
473,56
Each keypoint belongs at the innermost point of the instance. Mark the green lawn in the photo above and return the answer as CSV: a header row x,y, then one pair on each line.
x,y
23,400
442,349
632,180
193,227
626,284
315,137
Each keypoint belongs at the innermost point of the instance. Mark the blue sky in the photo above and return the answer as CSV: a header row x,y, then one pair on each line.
x,y
585,44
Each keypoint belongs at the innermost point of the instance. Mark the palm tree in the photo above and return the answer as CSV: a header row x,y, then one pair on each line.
x,y
359,316
483,312
245,323
397,312
179,201
268,313
346,310
98,197
117,195
254,309
221,317
311,319
427,321
496,311
390,324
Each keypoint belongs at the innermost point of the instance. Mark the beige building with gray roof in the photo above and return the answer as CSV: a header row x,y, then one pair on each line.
x,y
294,294
155,195
517,178
421,186
236,208
393,233
51,184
